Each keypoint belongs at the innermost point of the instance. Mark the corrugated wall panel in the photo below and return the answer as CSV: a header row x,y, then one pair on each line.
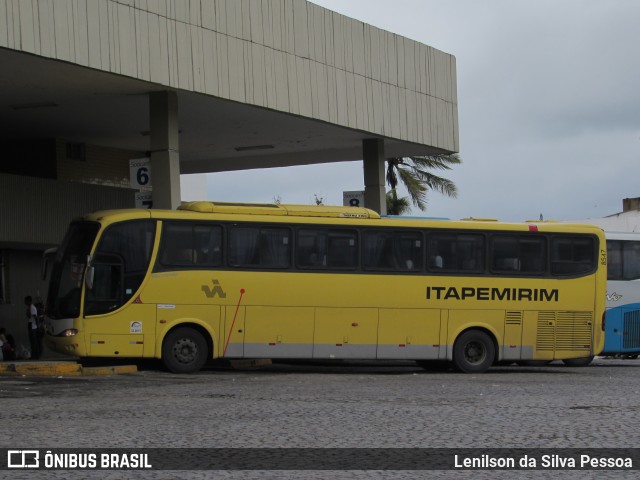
x,y
49,219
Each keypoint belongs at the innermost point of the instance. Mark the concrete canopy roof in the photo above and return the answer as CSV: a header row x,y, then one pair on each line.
x,y
67,96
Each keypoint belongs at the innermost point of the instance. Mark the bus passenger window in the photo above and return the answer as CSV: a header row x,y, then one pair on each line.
x,y
188,245
399,251
631,260
623,260
456,252
572,255
518,254
259,247
207,245
378,251
323,249
614,260
177,248
311,249
342,250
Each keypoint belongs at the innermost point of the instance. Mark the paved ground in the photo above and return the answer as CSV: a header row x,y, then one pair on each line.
x,y
328,406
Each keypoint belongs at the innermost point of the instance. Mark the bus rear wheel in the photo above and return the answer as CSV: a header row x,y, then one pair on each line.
x,y
578,362
184,350
473,352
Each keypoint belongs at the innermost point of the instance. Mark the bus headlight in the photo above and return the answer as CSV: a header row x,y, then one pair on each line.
x,y
70,332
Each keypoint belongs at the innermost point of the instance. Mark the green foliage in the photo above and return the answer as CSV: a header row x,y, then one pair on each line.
x,y
415,174
397,206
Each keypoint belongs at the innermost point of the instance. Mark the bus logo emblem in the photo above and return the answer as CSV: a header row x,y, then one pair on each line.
x,y
216,290
613,297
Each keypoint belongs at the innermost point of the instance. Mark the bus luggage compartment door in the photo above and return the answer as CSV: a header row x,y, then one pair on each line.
x,y
410,333
346,333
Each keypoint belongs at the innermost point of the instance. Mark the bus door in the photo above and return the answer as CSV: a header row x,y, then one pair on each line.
x,y
116,321
110,329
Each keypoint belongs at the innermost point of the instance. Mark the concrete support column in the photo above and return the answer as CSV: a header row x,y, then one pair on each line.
x,y
374,175
165,154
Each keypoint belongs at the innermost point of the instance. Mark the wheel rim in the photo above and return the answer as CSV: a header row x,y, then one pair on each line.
x,y
185,350
475,352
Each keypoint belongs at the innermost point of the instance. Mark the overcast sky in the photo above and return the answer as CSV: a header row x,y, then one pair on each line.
x,y
548,104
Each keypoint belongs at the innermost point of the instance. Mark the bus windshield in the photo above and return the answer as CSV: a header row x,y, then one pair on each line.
x,y
63,300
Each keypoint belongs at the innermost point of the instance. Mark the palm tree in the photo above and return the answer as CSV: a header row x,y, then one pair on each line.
x,y
395,205
414,173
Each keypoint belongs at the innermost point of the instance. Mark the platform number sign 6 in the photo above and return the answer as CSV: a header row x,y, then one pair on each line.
x,y
140,173
140,178
143,176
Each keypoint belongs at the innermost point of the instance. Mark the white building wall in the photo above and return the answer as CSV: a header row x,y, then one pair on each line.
x,y
620,222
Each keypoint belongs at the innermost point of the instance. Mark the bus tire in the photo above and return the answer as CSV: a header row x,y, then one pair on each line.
x,y
578,362
184,350
473,352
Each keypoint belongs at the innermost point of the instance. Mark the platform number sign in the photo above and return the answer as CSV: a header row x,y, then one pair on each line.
x,y
353,199
144,200
140,178
140,173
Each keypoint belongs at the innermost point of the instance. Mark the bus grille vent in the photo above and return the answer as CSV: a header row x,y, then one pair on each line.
x,y
545,335
574,331
631,338
571,331
513,318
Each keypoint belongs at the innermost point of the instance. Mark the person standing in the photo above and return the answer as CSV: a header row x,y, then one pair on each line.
x,y
32,327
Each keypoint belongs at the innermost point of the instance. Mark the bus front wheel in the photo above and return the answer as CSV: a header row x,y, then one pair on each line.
x,y
184,350
473,352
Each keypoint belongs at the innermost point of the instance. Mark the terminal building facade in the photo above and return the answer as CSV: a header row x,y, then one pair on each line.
x,y
195,86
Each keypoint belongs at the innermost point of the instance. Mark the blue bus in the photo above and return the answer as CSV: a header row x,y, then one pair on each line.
x,y
622,330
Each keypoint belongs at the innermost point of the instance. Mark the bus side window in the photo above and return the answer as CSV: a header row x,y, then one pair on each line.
x,y
614,260
207,245
259,247
407,250
342,252
395,251
518,253
324,249
459,252
378,251
187,245
572,255
631,260
177,248
311,249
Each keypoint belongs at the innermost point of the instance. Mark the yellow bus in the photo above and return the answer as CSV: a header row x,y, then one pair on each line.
x,y
220,280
